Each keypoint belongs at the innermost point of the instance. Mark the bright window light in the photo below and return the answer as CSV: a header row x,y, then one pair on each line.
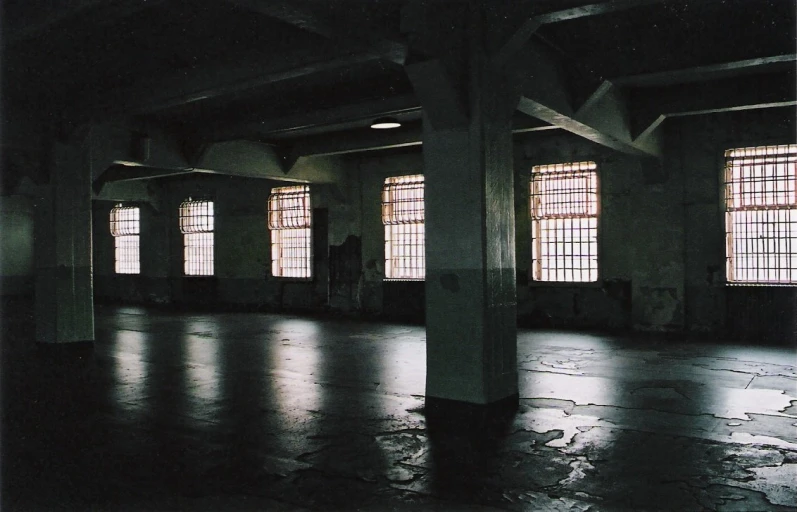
x,y
403,217
196,224
290,222
564,222
761,215
126,229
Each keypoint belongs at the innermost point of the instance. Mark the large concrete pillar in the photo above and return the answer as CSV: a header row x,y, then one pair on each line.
x,y
471,326
64,291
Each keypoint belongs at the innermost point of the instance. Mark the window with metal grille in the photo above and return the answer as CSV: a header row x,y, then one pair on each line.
x,y
126,229
761,215
196,224
290,222
403,217
564,222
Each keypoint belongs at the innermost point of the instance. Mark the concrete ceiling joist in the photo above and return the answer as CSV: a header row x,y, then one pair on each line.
x,y
355,142
653,105
604,118
301,16
337,118
343,143
710,72
130,172
521,35
183,87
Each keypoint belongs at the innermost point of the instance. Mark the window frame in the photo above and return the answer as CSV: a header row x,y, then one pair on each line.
x,y
121,231
187,229
276,226
596,283
724,186
391,219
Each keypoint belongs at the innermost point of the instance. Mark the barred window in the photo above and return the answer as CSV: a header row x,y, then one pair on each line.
x,y
197,224
290,222
564,222
126,229
761,215
403,217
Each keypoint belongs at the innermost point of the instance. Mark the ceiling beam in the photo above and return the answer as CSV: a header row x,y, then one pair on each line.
x,y
119,171
299,15
651,106
710,72
342,143
531,24
604,117
338,118
153,94
593,9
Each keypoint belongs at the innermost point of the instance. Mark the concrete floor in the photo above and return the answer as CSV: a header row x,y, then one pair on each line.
x,y
269,412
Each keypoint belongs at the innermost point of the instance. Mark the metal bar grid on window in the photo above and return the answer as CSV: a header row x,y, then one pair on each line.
x,y
125,226
197,225
290,222
403,217
564,222
761,215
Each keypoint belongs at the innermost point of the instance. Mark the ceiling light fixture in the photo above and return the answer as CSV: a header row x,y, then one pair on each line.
x,y
385,123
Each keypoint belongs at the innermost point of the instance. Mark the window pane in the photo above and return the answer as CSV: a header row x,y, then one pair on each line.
x,y
290,222
126,251
197,224
125,226
761,218
564,227
403,217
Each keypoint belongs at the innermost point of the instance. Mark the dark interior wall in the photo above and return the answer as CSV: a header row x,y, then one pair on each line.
x,y
661,235
16,245
389,299
661,241
242,258
746,312
607,302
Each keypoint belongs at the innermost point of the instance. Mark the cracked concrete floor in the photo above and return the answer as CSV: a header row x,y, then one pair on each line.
x,y
269,412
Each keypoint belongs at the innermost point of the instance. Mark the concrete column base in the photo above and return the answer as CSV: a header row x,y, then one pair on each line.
x,y
446,415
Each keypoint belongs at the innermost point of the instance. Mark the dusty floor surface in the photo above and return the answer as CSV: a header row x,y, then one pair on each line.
x,y
268,412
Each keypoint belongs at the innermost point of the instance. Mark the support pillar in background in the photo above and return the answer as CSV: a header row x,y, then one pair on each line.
x,y
64,289
471,325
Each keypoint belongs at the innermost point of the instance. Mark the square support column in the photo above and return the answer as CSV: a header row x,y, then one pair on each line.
x,y
471,325
64,289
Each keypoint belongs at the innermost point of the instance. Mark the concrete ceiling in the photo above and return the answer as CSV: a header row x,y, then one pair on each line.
x,y
310,76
